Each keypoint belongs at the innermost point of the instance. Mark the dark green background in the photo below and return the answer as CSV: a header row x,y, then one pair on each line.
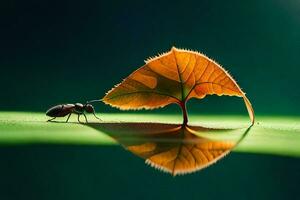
x,y
66,51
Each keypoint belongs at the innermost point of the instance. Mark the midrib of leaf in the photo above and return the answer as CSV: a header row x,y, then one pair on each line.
x,y
178,152
180,78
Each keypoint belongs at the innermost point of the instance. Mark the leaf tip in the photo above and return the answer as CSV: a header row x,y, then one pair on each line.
x,y
249,109
173,48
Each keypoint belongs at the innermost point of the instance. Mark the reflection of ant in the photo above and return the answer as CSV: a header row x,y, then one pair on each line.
x,y
63,110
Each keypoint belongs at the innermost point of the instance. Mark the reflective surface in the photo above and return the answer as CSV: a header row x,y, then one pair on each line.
x,y
174,148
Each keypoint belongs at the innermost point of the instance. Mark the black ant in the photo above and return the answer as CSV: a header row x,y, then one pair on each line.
x,y
63,110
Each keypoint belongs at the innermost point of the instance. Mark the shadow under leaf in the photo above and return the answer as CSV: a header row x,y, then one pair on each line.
x,y
174,148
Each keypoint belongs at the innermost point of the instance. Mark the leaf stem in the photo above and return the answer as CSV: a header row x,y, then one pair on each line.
x,y
184,112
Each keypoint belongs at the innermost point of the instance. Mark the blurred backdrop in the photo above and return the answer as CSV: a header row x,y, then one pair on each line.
x,y
68,51
55,52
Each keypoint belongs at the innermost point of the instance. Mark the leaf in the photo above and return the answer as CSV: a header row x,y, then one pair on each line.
x,y
174,77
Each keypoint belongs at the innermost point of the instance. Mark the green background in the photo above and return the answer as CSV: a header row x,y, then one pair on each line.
x,y
67,51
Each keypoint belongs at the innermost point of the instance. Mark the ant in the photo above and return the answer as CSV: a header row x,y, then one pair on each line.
x,y
63,110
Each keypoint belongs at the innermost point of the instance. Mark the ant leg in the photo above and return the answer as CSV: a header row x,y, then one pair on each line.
x,y
50,120
69,117
85,117
78,118
96,116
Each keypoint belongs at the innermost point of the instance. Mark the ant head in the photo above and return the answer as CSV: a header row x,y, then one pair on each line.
x,y
89,108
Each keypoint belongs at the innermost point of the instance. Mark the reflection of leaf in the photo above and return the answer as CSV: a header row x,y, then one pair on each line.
x,y
186,155
170,147
174,77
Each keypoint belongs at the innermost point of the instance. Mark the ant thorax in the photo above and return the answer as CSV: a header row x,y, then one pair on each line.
x,y
79,108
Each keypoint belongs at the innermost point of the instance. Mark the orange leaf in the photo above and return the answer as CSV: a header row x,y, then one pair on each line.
x,y
174,77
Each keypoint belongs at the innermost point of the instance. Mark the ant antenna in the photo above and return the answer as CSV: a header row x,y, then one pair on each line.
x,y
96,116
96,100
